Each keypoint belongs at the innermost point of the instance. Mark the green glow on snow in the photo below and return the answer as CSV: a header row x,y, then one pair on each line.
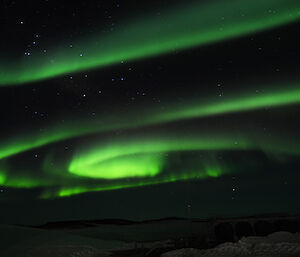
x,y
182,27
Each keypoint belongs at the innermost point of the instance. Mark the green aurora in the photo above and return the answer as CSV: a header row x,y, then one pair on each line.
x,y
147,159
143,159
182,27
69,191
118,165
139,161
95,160
174,112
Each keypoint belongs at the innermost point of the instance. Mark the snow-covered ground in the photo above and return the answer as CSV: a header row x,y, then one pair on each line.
x,y
18,241
145,232
279,244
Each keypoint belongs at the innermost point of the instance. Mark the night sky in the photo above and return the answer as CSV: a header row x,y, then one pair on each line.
x,y
148,109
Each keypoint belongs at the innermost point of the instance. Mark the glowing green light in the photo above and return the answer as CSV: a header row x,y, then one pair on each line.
x,y
213,172
122,167
22,181
2,178
69,191
106,165
194,24
107,161
230,104
234,104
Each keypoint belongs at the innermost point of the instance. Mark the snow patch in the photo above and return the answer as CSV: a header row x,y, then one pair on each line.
x,y
67,251
279,244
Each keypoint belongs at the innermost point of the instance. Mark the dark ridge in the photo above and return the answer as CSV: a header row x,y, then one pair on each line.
x,y
93,223
74,224
114,221
78,224
162,219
